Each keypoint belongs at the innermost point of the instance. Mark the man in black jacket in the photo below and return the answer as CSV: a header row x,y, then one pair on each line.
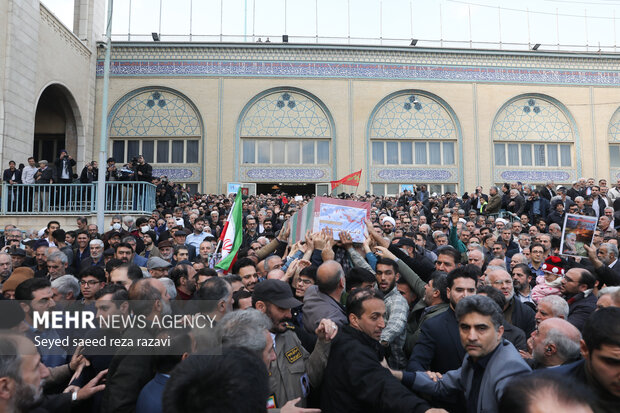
x,y
355,380
577,286
144,171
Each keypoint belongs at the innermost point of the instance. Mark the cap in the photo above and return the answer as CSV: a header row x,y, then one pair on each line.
x,y
276,292
554,265
17,251
115,234
404,241
156,262
19,275
164,243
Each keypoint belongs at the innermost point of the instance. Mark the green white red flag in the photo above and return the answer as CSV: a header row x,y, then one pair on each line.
x,y
232,235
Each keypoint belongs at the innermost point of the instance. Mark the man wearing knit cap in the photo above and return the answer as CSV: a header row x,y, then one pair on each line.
x,y
20,275
294,369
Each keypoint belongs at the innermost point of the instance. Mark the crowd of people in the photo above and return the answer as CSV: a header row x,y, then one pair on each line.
x,y
459,304
45,199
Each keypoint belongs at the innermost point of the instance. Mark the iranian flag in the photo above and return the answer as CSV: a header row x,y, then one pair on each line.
x,y
232,235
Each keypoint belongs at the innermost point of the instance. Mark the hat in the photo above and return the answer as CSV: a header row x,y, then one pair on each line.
x,y
164,243
17,251
180,232
276,292
554,265
406,242
19,275
156,262
502,220
390,220
115,234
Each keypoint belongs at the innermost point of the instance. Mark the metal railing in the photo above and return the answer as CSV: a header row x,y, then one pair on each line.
x,y
76,199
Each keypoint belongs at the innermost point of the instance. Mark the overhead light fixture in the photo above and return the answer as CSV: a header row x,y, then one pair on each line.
x,y
155,36
285,38
536,46
413,42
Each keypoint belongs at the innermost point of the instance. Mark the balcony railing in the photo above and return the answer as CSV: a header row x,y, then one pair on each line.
x,y
76,199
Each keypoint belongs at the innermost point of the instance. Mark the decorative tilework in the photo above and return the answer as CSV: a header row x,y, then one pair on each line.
x,y
412,116
285,114
565,62
397,71
413,175
155,112
535,176
613,131
286,174
532,119
178,174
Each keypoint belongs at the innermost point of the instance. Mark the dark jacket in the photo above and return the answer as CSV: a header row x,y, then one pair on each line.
x,y
518,206
354,380
87,177
580,308
47,175
317,306
604,401
150,399
147,172
439,347
504,364
419,264
6,176
58,164
521,315
417,317
544,208
547,193
555,218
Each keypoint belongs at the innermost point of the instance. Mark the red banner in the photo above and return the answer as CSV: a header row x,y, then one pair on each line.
x,y
352,179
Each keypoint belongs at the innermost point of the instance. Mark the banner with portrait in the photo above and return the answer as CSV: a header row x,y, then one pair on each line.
x,y
578,231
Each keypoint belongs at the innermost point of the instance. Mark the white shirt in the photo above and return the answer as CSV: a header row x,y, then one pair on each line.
x,y
28,174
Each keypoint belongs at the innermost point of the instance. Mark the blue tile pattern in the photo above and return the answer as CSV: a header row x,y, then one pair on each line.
x,y
415,175
175,174
285,114
269,174
532,119
155,113
358,70
536,176
410,116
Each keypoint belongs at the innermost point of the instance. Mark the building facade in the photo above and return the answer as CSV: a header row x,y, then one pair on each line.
x,y
297,116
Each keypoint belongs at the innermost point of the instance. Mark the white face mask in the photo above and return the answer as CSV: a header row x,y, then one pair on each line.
x,y
145,228
116,226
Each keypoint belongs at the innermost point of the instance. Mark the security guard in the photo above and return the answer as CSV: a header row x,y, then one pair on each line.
x,y
294,369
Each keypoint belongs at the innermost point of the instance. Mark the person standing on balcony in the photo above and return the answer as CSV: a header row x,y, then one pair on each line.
x,y
64,167
64,175
44,175
12,176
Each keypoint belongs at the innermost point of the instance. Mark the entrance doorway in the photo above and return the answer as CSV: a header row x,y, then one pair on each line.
x,y
56,124
289,189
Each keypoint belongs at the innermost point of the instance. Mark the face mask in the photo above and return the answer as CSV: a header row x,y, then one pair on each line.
x,y
116,226
281,217
145,228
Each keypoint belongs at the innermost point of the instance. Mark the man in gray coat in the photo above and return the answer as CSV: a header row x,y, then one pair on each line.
x,y
323,300
489,365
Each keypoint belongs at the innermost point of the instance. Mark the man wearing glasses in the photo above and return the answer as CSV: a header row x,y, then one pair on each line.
x,y
92,279
515,312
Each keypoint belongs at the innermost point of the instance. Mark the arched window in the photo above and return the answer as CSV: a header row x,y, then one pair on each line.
x,y
534,140
285,134
162,125
413,138
613,134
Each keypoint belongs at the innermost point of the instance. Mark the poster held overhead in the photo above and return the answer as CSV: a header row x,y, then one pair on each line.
x,y
578,230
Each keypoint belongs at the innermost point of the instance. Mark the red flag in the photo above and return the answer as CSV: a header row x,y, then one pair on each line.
x,y
352,179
